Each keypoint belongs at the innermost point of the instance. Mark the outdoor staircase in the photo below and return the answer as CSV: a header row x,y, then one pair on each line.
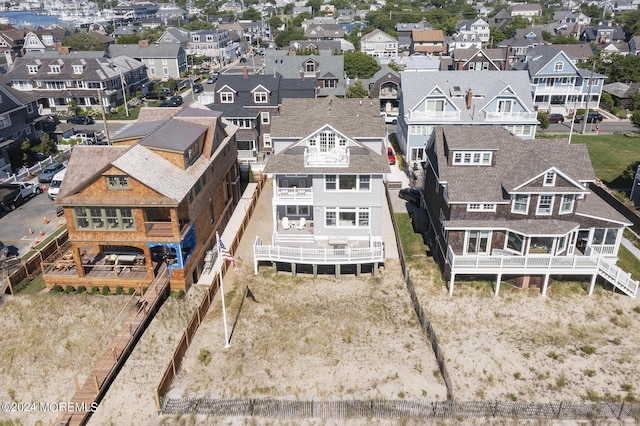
x,y
619,278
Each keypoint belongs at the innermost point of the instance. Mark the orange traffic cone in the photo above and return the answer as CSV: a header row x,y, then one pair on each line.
x,y
46,221
41,233
30,231
44,188
31,246
36,242
59,222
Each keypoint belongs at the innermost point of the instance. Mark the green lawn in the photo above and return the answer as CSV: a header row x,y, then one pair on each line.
x,y
412,243
610,156
628,262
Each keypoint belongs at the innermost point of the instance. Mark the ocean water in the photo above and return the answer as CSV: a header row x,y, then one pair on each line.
x,y
29,19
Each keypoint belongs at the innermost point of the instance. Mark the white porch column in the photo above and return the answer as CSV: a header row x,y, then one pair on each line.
x,y
593,283
545,285
618,241
274,206
451,281
498,279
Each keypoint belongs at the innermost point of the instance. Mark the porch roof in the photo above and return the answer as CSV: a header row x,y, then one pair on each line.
x,y
595,207
524,226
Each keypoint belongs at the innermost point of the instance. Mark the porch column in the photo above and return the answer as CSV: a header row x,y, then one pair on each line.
x,y
498,279
451,281
337,270
293,269
545,285
593,283
77,259
255,265
315,270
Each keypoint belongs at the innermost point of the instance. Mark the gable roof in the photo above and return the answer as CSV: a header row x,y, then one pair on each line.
x,y
427,35
290,67
165,50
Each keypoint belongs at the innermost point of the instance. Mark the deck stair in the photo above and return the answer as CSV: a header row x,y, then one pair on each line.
x,y
619,278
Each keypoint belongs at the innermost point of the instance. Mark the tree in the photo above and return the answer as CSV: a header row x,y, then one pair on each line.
x,y
251,14
631,22
543,118
394,66
635,119
360,65
357,91
289,34
275,22
83,41
129,39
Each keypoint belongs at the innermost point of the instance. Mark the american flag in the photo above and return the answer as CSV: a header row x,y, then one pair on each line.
x,y
124,82
226,256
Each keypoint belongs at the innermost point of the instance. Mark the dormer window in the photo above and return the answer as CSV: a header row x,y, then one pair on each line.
x,y
196,38
260,98
33,69
549,179
310,67
226,97
472,158
77,69
55,69
558,66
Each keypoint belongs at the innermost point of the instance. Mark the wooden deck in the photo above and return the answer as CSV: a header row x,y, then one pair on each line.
x,y
89,395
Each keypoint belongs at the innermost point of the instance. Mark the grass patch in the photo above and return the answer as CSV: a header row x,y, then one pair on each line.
x,y
412,243
44,242
628,262
610,156
27,286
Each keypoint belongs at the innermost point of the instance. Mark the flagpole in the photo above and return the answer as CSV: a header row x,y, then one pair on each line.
x,y
124,95
224,309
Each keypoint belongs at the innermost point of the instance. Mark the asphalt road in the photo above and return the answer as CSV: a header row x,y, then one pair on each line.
x,y
607,126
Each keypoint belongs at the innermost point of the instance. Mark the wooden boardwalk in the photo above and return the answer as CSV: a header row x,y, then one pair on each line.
x,y
89,395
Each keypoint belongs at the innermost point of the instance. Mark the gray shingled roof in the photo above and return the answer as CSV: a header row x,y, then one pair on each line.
x,y
594,206
174,135
291,66
538,57
415,86
164,50
524,226
516,162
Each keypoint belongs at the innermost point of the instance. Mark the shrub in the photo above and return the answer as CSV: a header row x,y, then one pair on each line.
x,y
82,289
588,349
204,356
180,294
105,290
119,290
56,288
95,290
69,289
131,291
589,373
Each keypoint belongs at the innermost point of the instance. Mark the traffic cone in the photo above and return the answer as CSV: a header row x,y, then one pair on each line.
x,y
36,242
44,188
59,222
31,246
41,233
46,221
30,231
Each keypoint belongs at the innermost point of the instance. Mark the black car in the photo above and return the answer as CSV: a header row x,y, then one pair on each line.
x,y
411,195
593,117
168,103
243,60
556,118
177,99
153,95
81,119
197,88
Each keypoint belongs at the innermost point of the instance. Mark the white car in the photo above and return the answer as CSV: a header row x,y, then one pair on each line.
x,y
80,138
27,189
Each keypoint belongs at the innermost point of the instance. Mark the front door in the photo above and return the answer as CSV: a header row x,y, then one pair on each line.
x,y
478,242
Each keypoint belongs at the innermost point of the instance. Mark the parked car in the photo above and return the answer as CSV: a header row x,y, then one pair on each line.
x,y
166,91
56,183
411,195
10,197
81,119
556,118
152,94
197,88
49,172
177,99
80,138
27,189
168,103
243,60
391,156
593,117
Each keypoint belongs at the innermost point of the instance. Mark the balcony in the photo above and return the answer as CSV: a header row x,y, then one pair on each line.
x,y
435,115
337,157
326,256
293,193
501,116
159,229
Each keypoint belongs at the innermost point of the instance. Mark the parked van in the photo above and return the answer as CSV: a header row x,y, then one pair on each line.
x,y
54,186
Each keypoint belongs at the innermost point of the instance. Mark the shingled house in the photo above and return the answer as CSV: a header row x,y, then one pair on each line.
x,y
157,196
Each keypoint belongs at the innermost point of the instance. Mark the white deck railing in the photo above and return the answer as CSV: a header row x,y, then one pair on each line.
x,y
439,115
332,158
294,193
317,255
510,115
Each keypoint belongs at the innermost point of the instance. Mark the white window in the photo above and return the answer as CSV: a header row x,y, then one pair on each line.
x,y
545,205
152,70
264,117
5,121
504,105
558,66
226,97
364,182
435,105
29,107
478,242
330,182
151,61
165,71
33,69
520,204
77,69
347,217
549,179
267,140
566,205
260,97
481,207
55,69
514,242
472,157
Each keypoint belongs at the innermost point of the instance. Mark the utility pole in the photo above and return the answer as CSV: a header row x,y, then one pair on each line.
x,y
104,117
585,117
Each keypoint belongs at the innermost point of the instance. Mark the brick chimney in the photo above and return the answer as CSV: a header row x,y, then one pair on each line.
x,y
245,72
143,43
63,50
460,65
469,98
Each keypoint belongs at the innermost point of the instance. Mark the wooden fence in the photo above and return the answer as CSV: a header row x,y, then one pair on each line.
x,y
32,266
402,409
199,314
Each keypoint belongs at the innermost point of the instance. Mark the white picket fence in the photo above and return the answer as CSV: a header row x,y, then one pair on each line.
x,y
24,174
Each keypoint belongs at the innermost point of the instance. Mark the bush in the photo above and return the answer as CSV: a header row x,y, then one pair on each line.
x,y
204,356
56,288
119,290
588,349
69,289
131,291
95,290
106,291
82,289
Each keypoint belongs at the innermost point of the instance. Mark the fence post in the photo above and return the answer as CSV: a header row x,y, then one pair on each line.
x,y
620,412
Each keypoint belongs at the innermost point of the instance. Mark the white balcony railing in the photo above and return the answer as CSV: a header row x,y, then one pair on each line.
x,y
335,158
317,255
434,115
294,193
499,116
